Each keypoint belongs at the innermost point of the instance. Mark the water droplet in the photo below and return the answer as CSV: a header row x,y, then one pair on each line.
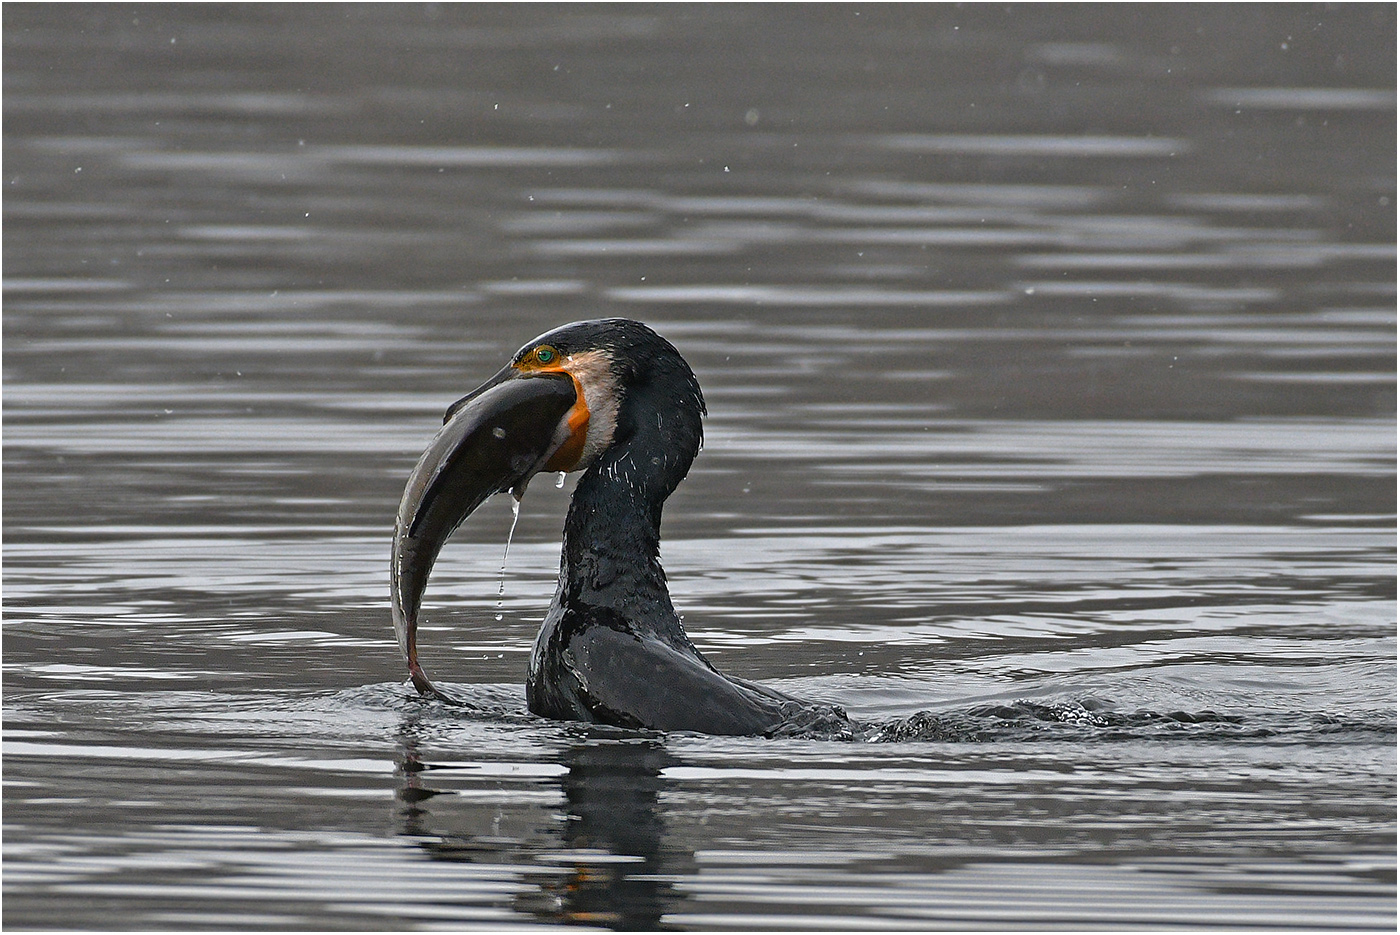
x,y
560,482
498,432
501,593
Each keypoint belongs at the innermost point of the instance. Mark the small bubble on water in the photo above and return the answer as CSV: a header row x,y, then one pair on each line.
x,y
498,432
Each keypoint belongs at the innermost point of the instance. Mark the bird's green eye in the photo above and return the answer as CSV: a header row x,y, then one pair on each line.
x,y
545,354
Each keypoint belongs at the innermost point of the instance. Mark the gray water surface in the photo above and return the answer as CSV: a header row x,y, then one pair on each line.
x,y
1050,361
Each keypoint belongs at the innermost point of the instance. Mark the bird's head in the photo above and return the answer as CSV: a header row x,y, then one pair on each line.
x,y
571,398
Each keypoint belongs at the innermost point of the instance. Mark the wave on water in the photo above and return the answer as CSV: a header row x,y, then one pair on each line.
x,y
1090,720
1067,720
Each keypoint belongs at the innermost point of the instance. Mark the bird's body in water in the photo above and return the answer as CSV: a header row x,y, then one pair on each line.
x,y
612,399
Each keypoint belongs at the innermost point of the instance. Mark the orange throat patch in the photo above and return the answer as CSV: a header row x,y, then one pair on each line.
x,y
566,456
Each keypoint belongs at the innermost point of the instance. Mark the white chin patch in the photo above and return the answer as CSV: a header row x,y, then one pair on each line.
x,y
601,395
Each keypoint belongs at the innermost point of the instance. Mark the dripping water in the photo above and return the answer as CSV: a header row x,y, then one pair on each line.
x,y
560,482
505,556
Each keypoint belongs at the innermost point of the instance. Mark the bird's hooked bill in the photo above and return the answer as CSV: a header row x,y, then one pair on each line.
x,y
495,439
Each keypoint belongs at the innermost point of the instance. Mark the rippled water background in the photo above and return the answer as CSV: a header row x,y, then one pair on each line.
x,y
1050,355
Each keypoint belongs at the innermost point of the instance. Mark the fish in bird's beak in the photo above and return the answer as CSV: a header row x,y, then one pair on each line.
x,y
492,440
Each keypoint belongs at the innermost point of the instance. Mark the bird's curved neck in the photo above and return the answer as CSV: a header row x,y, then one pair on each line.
x,y
613,532
612,540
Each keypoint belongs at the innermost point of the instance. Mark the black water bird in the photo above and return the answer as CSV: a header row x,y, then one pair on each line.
x,y
615,400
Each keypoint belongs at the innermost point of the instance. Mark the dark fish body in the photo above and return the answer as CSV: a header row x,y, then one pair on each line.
x,y
490,444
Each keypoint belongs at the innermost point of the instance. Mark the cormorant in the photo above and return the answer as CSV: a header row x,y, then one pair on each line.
x,y
615,400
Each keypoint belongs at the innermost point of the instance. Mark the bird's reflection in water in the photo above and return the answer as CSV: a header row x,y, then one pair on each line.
x,y
603,864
